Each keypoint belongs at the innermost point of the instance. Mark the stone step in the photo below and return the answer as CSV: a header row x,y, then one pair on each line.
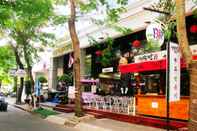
x,y
62,109
96,115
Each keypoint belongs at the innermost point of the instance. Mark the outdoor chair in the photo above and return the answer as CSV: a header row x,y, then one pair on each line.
x,y
108,102
101,102
116,104
131,106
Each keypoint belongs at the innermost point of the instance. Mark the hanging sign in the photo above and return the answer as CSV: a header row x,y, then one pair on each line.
x,y
20,73
154,34
154,56
107,70
160,55
174,72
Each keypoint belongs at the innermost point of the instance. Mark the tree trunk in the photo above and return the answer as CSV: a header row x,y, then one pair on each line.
x,y
0,83
29,71
184,45
20,65
29,67
76,50
193,97
15,84
20,91
182,32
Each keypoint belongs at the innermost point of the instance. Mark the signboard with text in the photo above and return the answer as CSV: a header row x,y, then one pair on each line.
x,y
107,70
174,72
159,55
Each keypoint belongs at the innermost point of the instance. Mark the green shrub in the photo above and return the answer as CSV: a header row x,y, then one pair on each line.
x,y
42,79
45,112
67,78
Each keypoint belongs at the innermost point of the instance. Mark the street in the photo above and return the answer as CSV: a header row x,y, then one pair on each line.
x,y
17,120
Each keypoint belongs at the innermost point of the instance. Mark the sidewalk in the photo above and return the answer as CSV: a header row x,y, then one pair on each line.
x,y
112,125
89,123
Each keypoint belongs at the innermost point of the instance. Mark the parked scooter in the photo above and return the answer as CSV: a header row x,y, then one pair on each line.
x,y
3,103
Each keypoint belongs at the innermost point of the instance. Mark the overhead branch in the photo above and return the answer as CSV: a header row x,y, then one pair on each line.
x,y
157,11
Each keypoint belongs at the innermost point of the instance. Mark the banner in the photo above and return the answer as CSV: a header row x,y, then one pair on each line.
x,y
174,72
37,88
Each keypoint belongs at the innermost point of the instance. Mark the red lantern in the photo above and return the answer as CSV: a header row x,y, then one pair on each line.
x,y
136,43
98,53
193,29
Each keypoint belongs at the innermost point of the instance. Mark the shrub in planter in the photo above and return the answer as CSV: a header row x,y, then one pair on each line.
x,y
67,78
42,79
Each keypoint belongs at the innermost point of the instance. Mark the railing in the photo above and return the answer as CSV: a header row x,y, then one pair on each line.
x,y
123,104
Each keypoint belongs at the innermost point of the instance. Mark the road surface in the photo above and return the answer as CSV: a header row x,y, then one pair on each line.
x,y
17,120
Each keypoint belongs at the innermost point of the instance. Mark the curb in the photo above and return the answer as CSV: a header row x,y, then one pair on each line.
x,y
19,107
89,127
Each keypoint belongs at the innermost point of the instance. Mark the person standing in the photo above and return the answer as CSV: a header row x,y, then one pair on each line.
x,y
124,77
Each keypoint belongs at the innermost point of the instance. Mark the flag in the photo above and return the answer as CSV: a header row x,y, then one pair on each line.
x,y
71,61
44,66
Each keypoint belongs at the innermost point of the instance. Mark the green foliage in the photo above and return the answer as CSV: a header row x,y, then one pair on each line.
x,y
195,13
108,53
60,19
195,1
151,46
7,62
123,30
87,7
45,112
42,79
22,21
166,20
15,84
67,78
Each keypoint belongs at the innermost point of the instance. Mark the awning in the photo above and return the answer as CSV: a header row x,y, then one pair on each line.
x,y
146,66
149,66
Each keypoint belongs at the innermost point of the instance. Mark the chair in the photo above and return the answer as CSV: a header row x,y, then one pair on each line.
x,y
108,102
131,106
116,104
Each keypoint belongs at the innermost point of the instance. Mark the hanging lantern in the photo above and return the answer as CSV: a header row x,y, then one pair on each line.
x,y
136,43
193,29
98,53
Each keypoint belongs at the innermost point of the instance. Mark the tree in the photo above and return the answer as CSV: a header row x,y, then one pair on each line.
x,y
22,22
84,7
184,45
76,48
7,62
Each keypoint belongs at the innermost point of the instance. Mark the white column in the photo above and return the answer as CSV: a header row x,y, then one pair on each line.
x,y
53,73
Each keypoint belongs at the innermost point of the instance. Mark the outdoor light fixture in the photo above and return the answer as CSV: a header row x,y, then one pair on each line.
x,y
147,22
